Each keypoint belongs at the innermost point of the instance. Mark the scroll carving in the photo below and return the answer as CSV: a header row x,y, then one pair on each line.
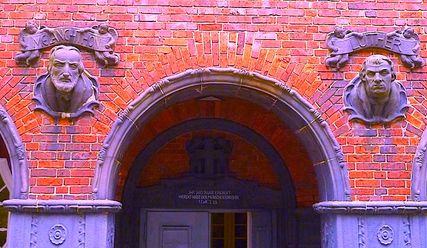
x,y
375,96
82,232
341,42
407,232
328,234
67,90
361,232
100,39
34,231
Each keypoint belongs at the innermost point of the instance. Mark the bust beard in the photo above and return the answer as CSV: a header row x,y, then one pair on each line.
x,y
64,88
67,99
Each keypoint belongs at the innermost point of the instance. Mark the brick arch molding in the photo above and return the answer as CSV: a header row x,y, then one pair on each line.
x,y
288,105
16,151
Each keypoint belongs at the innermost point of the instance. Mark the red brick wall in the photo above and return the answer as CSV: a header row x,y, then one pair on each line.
x,y
281,39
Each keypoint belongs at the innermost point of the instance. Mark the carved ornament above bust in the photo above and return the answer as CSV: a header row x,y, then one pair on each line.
x,y
341,42
375,96
100,39
67,90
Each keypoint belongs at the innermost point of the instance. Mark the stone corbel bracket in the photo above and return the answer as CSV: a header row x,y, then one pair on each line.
x,y
341,42
99,39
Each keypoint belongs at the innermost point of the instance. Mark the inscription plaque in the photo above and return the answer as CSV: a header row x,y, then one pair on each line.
x,y
100,39
209,197
341,42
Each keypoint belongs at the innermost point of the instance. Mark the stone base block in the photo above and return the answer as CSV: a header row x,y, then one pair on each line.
x,y
373,224
52,224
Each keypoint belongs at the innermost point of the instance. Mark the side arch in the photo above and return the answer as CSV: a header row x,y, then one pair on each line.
x,y
16,151
288,105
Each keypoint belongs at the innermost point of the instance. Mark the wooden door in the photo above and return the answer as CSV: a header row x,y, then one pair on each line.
x,y
177,229
261,229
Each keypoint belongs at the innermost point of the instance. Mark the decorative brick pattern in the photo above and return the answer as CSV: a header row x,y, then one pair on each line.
x,y
284,40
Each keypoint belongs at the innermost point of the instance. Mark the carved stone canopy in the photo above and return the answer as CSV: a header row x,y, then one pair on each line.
x,y
100,39
375,96
341,42
67,90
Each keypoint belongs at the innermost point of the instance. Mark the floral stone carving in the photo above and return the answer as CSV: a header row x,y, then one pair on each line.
x,y
375,96
385,235
57,234
67,90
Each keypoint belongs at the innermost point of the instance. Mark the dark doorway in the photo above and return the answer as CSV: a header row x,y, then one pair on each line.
x,y
196,198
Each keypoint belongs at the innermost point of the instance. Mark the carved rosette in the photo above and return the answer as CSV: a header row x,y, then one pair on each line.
x,y
385,235
57,234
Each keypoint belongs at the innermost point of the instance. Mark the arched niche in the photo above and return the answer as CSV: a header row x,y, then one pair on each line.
x,y
17,157
299,115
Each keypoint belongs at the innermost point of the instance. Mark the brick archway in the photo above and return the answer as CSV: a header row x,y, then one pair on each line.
x,y
314,133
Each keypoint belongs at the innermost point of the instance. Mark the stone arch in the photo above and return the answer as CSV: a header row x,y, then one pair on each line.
x,y
16,151
289,106
220,125
419,171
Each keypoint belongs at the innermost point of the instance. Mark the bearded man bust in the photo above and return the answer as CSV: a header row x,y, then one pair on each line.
x,y
375,96
67,90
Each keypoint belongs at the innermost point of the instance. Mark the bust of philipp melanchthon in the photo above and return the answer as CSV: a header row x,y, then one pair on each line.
x,y
375,96
67,90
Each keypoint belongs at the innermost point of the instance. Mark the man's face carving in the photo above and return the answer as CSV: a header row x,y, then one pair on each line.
x,y
64,70
378,79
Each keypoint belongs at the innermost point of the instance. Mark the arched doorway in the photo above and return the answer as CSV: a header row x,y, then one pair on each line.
x,y
213,182
14,151
302,120
13,170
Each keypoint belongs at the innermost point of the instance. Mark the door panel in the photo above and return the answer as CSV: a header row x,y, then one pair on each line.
x,y
175,237
261,228
177,229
